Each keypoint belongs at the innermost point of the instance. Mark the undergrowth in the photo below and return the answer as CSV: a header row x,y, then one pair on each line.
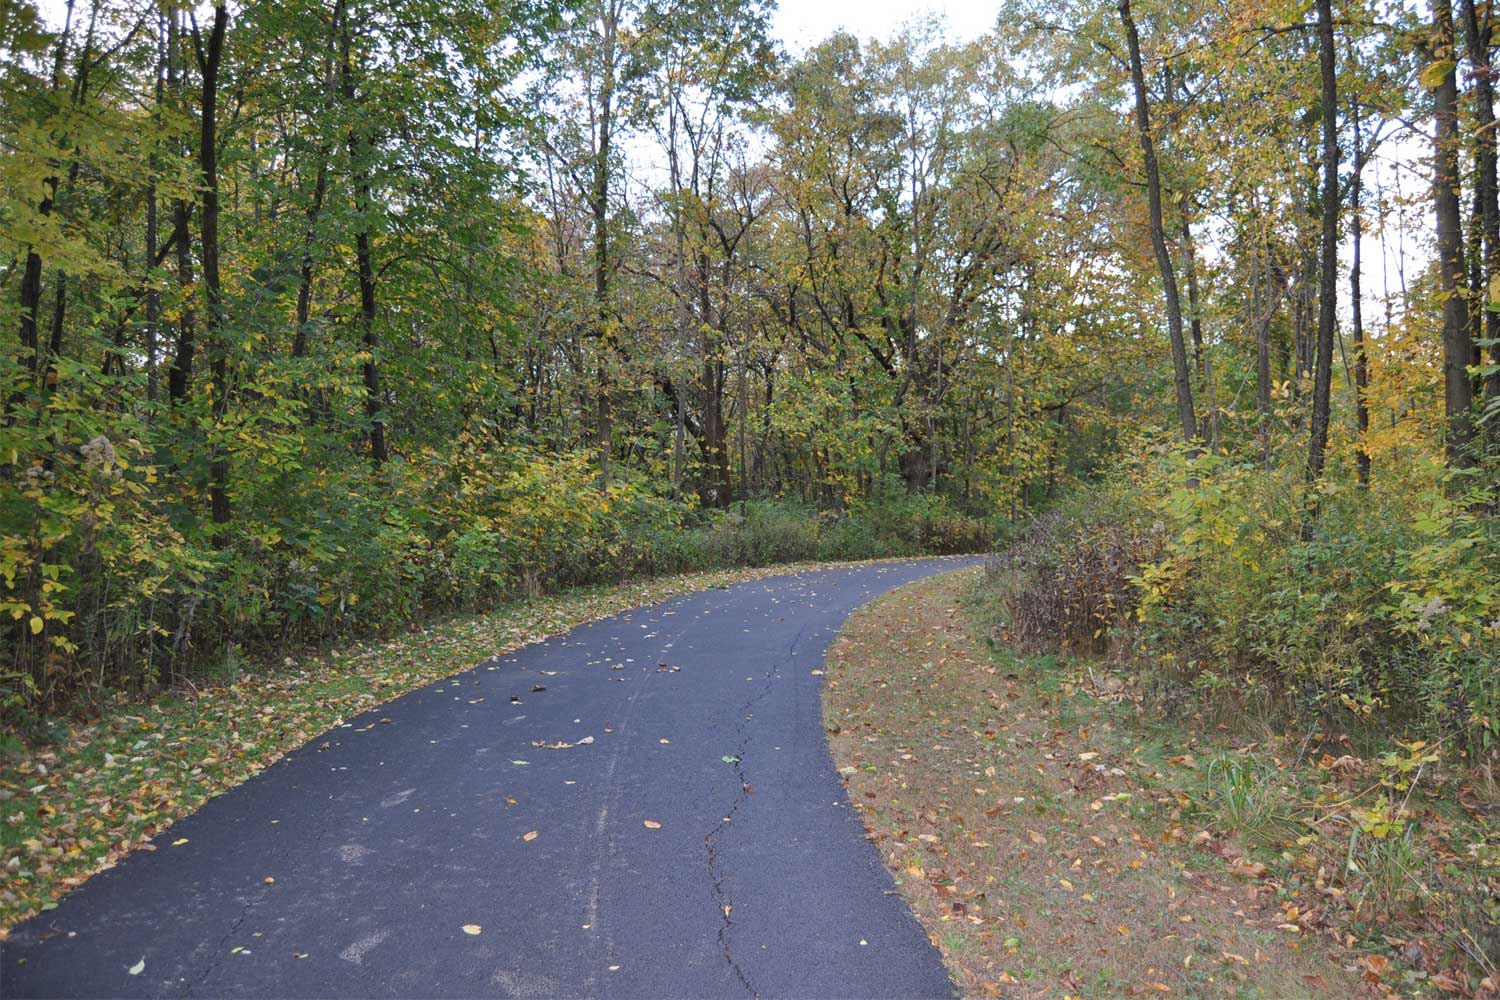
x,y
1339,669
105,591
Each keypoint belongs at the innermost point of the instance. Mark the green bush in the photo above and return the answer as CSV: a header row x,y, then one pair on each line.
x,y
113,585
1386,607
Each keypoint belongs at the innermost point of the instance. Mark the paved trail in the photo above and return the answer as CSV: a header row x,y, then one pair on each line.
x,y
385,839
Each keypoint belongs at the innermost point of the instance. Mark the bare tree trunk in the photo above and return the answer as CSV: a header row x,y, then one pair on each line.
x,y
599,205
208,163
1458,393
1356,310
181,374
1181,376
153,294
359,147
1487,194
1328,281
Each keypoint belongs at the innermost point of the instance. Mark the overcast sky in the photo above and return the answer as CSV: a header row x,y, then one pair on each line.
x,y
800,23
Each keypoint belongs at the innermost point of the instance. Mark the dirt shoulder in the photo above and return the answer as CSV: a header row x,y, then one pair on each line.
x,y
1036,833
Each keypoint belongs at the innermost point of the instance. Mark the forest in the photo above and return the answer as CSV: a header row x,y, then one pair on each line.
x,y
349,344
331,315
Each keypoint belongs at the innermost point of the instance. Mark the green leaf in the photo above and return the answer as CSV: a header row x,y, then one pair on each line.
x,y
1433,73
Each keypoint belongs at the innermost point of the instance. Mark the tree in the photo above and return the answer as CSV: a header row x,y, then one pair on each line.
x,y
1328,280
1458,393
1181,378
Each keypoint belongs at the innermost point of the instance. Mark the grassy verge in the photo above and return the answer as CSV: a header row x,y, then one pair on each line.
x,y
1046,833
74,807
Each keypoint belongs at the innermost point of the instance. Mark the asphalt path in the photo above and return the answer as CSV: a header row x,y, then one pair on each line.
x,y
363,863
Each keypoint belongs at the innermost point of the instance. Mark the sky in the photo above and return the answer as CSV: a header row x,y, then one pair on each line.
x,y
801,23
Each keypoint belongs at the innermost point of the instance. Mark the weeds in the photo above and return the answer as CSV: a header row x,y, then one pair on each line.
x,y
1243,796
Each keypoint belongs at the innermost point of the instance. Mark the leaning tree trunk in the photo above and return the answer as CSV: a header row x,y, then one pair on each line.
x,y
1181,376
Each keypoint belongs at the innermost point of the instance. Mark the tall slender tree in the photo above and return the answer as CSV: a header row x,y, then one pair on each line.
x,y
1182,378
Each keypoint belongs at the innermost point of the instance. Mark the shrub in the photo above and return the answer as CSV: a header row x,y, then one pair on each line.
x,y
1066,581
1387,609
112,584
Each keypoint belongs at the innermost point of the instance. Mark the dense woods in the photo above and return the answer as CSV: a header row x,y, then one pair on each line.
x,y
328,315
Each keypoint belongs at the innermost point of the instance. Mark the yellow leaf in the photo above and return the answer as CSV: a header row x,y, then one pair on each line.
x,y
472,928
652,824
36,624
530,836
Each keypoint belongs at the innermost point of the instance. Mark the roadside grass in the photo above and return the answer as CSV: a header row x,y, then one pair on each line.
x,y
100,789
1051,837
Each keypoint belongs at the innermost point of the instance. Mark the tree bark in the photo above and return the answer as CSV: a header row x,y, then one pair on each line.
x,y
1181,377
1317,450
181,374
153,294
320,192
1356,309
31,274
1458,393
1487,187
599,206
208,164
359,145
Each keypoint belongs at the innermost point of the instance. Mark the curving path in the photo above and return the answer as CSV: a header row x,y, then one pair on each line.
x,y
382,841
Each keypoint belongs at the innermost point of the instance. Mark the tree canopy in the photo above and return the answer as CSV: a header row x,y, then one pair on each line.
x,y
327,314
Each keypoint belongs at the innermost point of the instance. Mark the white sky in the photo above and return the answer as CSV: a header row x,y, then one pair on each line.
x,y
801,23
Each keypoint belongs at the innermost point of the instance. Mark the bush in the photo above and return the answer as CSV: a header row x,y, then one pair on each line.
x,y
1066,582
1387,610
113,585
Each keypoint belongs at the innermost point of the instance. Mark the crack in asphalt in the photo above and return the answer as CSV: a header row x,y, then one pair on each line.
x,y
217,958
794,887
711,841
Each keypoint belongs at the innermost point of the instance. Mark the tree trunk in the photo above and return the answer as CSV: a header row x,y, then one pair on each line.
x,y
208,153
1458,395
181,374
1487,188
1181,376
60,292
320,192
599,205
1356,310
153,294
359,147
1201,359
1317,450
31,273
